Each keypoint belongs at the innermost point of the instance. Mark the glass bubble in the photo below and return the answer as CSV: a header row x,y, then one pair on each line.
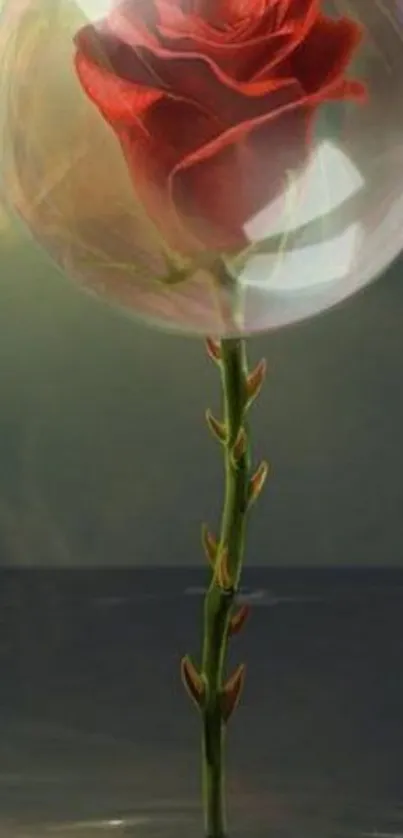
x,y
336,226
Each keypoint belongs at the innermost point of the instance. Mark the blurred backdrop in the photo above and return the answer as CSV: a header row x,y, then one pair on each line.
x,y
106,459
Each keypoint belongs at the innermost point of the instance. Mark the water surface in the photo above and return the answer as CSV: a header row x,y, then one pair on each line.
x,y
98,738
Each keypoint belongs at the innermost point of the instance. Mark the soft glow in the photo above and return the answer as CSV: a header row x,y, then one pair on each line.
x,y
94,9
329,181
334,228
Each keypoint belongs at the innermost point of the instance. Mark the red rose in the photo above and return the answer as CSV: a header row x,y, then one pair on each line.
x,y
212,101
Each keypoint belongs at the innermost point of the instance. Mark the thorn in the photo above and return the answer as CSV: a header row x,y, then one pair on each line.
x,y
210,545
231,693
238,620
192,681
218,429
240,446
223,576
213,350
255,381
256,482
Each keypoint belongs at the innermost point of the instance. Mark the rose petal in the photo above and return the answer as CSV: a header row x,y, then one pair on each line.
x,y
135,21
268,39
238,50
194,78
297,18
167,63
172,128
223,184
118,100
211,120
239,60
106,51
300,14
217,199
228,12
233,65
326,52
203,198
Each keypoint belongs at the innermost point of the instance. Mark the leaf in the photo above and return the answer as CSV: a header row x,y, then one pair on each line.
x,y
223,576
238,620
255,381
256,482
240,446
210,545
217,428
192,680
213,350
231,693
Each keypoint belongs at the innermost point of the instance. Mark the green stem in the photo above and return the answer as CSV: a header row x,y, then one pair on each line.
x,y
219,602
215,697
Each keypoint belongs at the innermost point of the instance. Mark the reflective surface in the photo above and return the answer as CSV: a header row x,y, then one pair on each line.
x,y
98,739
335,228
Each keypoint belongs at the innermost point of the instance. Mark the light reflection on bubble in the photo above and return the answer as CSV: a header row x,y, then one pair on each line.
x,y
336,227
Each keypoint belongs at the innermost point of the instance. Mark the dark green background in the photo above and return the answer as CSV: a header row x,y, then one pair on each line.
x,y
105,457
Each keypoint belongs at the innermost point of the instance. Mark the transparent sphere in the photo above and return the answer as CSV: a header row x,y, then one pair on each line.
x,y
301,208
